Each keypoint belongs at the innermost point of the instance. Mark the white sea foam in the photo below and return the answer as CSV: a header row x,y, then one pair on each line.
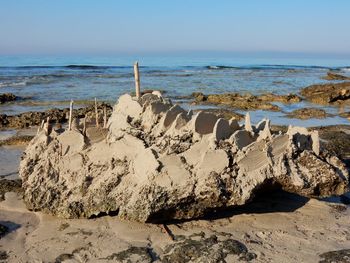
x,y
12,84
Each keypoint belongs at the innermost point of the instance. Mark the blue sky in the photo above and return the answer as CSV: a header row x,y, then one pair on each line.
x,y
164,26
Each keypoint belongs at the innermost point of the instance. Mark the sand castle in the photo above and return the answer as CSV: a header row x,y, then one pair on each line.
x,y
155,161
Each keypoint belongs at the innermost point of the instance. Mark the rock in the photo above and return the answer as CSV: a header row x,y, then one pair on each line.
x,y
308,113
335,76
333,93
6,97
339,256
29,119
199,248
246,102
9,186
236,101
152,166
289,98
345,115
3,230
3,256
138,254
17,140
199,96
336,141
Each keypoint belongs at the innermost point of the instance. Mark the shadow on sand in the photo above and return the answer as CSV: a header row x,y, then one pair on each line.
x,y
268,202
7,227
265,202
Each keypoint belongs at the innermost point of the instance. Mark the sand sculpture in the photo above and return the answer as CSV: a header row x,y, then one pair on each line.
x,y
155,161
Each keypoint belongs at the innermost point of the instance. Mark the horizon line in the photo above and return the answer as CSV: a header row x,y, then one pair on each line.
x,y
346,55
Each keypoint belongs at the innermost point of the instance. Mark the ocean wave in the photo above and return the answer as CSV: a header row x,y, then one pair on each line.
x,y
267,67
221,67
172,75
14,81
86,67
70,66
12,84
345,68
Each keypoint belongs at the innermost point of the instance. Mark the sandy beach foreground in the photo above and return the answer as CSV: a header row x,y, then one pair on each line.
x,y
277,228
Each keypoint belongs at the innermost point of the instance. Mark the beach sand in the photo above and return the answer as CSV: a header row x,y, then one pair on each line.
x,y
277,228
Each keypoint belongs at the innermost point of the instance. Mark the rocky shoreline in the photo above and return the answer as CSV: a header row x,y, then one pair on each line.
x,y
261,235
335,94
7,97
57,116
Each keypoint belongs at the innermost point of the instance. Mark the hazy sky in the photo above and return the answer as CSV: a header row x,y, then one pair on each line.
x,y
116,26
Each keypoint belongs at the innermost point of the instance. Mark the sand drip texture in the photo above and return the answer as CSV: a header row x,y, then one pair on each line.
x,y
154,161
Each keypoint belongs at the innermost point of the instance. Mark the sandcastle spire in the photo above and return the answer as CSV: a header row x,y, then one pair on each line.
x,y
137,80
96,114
70,115
84,126
47,126
104,117
248,125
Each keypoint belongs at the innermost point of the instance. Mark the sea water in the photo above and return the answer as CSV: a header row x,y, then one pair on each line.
x,y
46,82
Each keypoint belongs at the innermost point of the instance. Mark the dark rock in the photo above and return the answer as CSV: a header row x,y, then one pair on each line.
x,y
336,141
198,248
345,115
6,97
63,257
339,256
308,113
28,119
333,93
138,254
289,98
3,256
236,101
3,120
335,76
247,101
17,140
10,186
3,230
199,96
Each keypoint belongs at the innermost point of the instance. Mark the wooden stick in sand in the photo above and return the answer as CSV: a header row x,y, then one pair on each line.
x,y
96,114
47,126
168,232
70,115
137,80
84,126
104,117
41,126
